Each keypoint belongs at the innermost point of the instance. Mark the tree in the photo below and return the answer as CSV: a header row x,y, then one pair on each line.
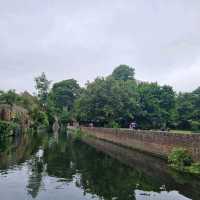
x,y
64,94
42,87
188,110
28,101
156,105
185,110
40,119
168,106
123,72
9,97
108,101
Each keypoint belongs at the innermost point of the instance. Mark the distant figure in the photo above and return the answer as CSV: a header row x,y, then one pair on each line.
x,y
132,125
165,128
91,125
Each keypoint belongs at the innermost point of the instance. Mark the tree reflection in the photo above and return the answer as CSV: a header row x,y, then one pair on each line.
x,y
36,168
59,159
91,170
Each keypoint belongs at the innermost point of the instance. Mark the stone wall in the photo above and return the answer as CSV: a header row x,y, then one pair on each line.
x,y
153,142
9,113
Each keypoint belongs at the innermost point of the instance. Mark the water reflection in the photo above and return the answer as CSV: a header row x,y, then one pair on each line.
x,y
59,167
56,128
35,169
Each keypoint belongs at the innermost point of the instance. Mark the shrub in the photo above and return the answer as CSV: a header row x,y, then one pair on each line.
x,y
78,134
194,168
113,124
195,126
43,119
179,158
7,128
65,117
40,119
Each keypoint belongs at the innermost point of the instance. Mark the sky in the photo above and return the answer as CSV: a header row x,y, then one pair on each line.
x,y
85,39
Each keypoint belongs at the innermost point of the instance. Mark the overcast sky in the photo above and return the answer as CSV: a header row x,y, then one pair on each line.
x,y
83,39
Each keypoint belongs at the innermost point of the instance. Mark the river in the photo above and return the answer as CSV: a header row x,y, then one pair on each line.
x,y
58,167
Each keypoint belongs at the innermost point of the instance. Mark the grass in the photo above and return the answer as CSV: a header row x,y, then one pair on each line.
x,y
180,131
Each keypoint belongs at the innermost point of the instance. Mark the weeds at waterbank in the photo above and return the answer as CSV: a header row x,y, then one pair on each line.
x,y
180,160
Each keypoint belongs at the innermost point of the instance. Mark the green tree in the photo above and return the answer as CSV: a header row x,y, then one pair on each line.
x,y
28,101
64,94
123,72
188,110
42,87
10,97
156,105
185,110
180,158
108,101
65,117
40,119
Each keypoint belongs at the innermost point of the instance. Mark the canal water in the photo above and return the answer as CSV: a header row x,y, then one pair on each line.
x,y
60,167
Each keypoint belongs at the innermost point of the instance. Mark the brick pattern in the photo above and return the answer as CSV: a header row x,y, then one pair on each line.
x,y
154,142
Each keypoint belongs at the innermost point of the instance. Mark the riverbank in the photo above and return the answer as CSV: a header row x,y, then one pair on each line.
x,y
178,157
158,143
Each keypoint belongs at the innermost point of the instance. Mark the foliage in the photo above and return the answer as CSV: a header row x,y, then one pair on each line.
x,y
118,98
185,108
42,87
113,125
9,97
107,100
25,99
113,101
195,126
51,109
64,93
40,119
28,101
65,117
188,110
157,104
7,128
179,158
194,168
78,134
123,72
60,102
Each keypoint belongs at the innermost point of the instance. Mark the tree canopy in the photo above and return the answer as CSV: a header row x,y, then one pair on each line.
x,y
156,105
42,85
107,101
64,93
112,101
123,72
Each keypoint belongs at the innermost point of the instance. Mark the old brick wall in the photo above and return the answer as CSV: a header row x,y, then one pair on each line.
x,y
154,142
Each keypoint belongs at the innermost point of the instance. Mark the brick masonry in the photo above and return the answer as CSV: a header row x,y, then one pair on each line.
x,y
153,142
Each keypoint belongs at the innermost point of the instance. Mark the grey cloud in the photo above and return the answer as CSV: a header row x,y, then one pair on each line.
x,y
83,39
